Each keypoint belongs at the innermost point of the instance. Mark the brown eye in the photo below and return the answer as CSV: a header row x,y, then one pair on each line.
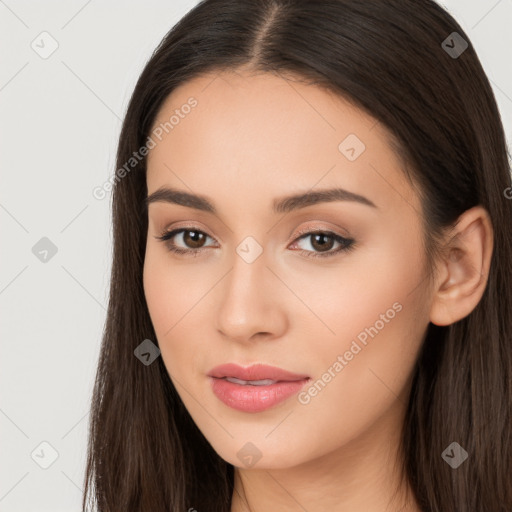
x,y
323,241
192,239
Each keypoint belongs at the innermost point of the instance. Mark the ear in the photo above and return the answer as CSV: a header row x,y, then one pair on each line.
x,y
463,270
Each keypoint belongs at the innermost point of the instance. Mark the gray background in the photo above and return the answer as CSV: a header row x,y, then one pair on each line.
x,y
60,118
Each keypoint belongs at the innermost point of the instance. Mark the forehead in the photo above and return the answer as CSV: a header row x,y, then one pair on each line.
x,y
276,109
269,134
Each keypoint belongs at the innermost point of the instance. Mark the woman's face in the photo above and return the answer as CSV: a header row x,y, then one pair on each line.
x,y
344,310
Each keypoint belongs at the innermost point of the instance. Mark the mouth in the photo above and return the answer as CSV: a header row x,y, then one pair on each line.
x,y
255,388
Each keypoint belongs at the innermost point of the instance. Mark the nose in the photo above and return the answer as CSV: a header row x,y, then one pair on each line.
x,y
251,302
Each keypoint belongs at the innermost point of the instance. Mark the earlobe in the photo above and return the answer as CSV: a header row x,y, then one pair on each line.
x,y
464,268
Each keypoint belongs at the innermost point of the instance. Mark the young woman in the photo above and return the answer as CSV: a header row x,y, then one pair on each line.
x,y
311,295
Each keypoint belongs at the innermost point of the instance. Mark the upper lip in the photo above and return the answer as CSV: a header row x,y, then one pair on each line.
x,y
254,372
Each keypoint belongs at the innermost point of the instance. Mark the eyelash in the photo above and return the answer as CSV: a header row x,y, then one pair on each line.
x,y
347,243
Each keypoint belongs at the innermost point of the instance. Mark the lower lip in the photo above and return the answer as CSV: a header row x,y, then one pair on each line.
x,y
254,398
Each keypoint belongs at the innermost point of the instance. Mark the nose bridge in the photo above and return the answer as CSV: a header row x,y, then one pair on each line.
x,y
246,281
248,303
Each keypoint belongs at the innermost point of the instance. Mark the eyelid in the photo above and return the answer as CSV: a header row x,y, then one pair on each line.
x,y
324,229
190,225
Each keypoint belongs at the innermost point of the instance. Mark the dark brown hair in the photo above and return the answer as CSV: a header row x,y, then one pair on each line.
x,y
145,453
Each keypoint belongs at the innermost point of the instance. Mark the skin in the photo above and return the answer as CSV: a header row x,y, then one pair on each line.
x,y
251,139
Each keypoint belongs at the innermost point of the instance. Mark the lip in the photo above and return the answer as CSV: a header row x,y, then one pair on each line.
x,y
255,372
254,398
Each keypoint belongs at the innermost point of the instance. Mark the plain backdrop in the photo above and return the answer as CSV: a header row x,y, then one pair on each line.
x,y
60,118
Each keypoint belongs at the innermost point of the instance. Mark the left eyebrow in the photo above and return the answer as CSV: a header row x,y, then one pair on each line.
x,y
302,200
280,205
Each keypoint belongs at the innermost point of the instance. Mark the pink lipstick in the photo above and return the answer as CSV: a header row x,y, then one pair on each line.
x,y
255,388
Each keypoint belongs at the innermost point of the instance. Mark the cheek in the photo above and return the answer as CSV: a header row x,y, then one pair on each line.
x,y
175,296
161,286
363,375
378,315
369,290
156,290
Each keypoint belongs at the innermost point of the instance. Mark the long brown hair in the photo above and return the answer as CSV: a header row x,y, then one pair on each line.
x,y
390,58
